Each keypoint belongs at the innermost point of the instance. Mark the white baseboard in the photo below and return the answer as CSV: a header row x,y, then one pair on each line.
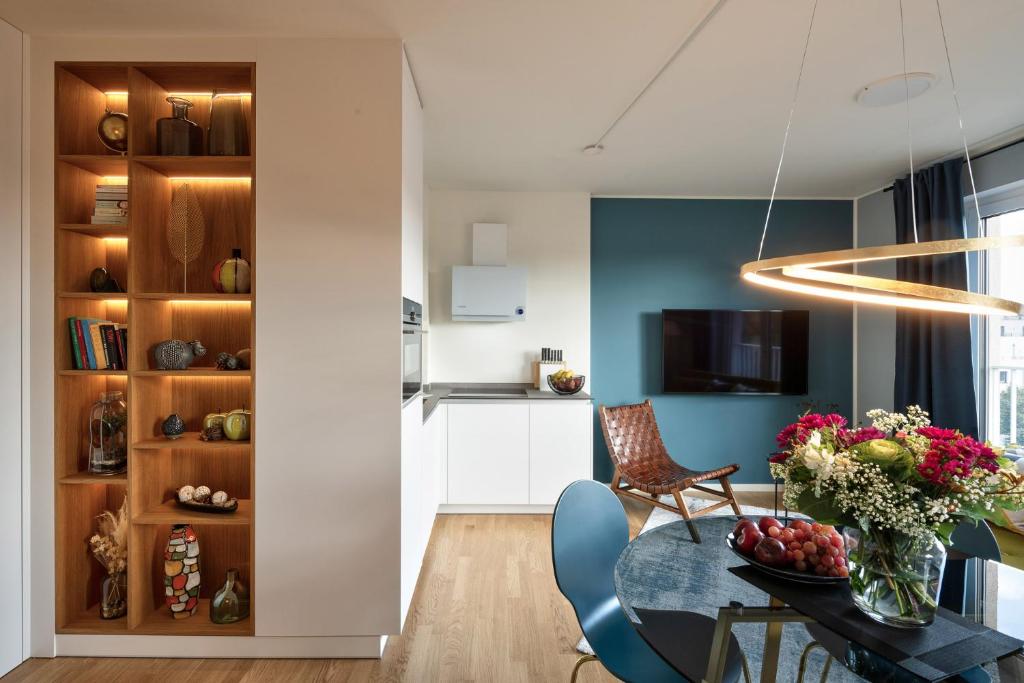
x,y
495,509
276,647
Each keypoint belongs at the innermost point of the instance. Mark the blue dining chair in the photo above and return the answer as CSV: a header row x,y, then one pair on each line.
x,y
968,538
588,533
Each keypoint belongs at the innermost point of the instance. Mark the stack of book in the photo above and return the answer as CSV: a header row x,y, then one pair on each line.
x,y
98,344
111,205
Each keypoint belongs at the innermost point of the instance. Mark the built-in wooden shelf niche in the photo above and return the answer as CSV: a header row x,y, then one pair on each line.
x,y
157,304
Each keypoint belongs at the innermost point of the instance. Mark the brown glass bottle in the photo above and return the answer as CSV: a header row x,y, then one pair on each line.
x,y
176,135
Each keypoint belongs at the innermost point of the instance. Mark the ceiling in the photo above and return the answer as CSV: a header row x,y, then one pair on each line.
x,y
513,91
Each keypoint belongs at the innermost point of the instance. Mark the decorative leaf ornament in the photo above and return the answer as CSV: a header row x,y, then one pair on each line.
x,y
186,227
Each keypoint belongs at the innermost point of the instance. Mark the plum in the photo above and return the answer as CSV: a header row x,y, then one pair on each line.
x,y
770,551
748,538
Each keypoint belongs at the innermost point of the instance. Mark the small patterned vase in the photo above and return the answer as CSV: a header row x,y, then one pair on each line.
x,y
181,571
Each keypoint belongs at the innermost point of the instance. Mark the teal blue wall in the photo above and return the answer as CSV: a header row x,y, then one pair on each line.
x,y
650,254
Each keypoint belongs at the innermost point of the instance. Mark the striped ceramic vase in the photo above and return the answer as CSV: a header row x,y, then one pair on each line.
x,y
181,571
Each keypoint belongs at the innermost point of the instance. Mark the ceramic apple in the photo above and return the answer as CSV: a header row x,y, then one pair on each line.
x,y
236,425
213,419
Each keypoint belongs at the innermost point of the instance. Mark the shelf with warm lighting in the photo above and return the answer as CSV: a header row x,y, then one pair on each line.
x,y
208,168
194,372
99,230
94,373
189,441
95,296
200,297
105,165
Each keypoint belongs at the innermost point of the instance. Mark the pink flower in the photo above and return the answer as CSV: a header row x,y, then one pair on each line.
x,y
835,420
937,433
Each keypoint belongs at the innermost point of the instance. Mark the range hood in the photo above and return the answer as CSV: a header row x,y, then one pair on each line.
x,y
488,293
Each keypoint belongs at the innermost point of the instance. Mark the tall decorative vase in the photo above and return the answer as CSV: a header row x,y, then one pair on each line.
x,y
108,441
231,603
895,578
181,571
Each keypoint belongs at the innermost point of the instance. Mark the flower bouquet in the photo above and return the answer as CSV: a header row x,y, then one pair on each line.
x,y
899,487
110,548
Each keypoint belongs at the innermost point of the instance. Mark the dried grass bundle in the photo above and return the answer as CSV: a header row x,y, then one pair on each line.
x,y
110,545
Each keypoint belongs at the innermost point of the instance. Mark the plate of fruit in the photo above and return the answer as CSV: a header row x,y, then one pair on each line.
x,y
566,382
803,550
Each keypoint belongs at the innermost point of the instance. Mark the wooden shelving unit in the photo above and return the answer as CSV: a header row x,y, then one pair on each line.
x,y
155,306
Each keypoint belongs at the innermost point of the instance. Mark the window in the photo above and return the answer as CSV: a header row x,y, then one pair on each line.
x,y
1002,339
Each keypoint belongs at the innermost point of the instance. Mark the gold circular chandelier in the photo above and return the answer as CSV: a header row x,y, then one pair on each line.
x,y
808,274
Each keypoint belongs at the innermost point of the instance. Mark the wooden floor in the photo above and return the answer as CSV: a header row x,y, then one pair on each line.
x,y
486,609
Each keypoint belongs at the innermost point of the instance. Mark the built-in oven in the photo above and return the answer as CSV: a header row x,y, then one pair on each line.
x,y
412,348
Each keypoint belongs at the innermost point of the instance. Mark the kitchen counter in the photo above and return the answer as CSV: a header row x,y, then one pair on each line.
x,y
435,393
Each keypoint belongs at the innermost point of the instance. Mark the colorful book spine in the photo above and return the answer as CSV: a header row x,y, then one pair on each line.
x,y
109,346
76,352
123,339
122,350
97,345
86,339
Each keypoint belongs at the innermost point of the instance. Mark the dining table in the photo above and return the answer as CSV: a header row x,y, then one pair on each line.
x,y
664,569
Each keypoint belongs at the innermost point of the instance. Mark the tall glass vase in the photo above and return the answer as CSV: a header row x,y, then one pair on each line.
x,y
895,578
108,439
114,596
228,134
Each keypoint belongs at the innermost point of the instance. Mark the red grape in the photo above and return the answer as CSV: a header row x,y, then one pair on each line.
x,y
820,569
837,540
833,551
774,531
798,555
810,548
833,572
787,535
800,565
813,559
828,561
766,523
799,534
843,571
815,527
840,561
821,540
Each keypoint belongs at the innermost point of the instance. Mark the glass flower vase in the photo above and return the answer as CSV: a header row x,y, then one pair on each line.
x,y
114,596
894,577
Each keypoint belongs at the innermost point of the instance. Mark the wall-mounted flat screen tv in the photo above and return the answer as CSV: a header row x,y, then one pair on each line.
x,y
734,352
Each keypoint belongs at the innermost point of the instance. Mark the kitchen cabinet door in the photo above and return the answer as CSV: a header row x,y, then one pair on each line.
x,y
560,447
489,453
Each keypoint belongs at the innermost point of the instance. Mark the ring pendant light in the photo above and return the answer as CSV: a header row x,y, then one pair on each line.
x,y
806,274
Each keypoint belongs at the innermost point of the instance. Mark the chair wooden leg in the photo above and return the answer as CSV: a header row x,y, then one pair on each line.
x,y
727,490
685,512
580,662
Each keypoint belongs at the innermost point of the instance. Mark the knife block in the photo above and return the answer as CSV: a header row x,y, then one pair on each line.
x,y
541,372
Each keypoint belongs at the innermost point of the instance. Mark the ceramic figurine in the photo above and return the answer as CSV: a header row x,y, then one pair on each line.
x,y
181,571
244,357
175,354
173,427
225,361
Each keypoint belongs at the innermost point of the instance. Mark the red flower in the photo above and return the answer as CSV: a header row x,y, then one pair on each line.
x,y
850,437
937,433
778,457
835,420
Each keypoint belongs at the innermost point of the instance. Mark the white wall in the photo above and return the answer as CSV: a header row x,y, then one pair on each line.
x,y
11,597
328,271
549,234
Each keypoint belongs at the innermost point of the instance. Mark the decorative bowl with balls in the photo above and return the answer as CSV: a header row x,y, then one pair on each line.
x,y
566,382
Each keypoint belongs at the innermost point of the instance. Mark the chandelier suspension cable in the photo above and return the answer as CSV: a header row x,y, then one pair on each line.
x,y
789,123
959,115
910,131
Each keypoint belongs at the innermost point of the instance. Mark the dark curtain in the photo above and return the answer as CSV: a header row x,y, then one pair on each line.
x,y
934,363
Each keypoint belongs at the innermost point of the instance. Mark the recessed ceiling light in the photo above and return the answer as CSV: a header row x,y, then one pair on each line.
x,y
593,150
891,89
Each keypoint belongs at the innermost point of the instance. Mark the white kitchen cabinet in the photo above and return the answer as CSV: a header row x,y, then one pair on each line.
x,y
561,433
488,453
411,499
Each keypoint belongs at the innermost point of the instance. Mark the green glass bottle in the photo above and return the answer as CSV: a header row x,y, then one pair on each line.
x,y
231,603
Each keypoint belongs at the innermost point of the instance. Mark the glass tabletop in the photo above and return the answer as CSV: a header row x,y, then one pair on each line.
x,y
664,569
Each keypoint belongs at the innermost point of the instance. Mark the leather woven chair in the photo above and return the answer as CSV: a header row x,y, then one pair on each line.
x,y
643,465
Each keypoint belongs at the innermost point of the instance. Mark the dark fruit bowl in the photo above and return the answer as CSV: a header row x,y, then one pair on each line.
x,y
782,573
568,386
